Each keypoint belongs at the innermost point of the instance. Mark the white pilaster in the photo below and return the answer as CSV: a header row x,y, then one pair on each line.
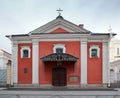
x,y
83,62
105,64
35,58
14,69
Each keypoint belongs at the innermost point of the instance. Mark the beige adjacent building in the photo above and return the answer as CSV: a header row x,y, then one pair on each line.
x,y
115,60
114,50
4,58
115,71
8,83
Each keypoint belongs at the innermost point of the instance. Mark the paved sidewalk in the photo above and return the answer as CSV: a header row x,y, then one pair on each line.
x,y
59,89
2,88
58,94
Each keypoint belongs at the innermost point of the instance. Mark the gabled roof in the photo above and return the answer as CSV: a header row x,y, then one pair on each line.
x,y
59,28
59,22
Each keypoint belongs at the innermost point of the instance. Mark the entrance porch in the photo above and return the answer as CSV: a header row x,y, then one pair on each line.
x,y
60,69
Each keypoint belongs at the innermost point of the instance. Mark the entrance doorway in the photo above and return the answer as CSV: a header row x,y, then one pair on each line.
x,y
59,76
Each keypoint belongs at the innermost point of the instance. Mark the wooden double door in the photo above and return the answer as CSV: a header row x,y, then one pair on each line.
x,y
59,76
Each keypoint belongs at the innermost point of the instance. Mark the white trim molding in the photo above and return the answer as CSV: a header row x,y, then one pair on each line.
x,y
59,46
105,59
35,68
14,69
83,62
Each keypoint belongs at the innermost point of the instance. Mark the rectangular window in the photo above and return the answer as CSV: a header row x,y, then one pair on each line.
x,y
119,70
118,52
94,53
25,53
59,50
25,70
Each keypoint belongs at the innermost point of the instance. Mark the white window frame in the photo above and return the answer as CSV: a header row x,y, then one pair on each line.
x,y
59,46
25,48
95,47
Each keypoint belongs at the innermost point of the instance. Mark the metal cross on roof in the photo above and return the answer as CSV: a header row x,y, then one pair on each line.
x,y
110,29
59,11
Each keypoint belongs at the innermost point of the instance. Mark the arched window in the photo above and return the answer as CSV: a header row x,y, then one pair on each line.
x,y
25,52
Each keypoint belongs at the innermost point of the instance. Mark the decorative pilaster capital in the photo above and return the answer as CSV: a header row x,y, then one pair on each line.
x,y
105,43
35,41
14,43
83,41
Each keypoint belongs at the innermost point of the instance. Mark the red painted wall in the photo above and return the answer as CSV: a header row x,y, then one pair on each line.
x,y
59,30
24,78
94,66
45,71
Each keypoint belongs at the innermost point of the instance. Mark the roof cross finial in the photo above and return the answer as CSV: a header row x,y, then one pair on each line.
x,y
59,11
110,29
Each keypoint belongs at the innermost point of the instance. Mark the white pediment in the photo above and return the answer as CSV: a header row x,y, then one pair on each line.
x,y
59,23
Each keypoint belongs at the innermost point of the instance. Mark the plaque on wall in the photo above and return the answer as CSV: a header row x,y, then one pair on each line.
x,y
74,79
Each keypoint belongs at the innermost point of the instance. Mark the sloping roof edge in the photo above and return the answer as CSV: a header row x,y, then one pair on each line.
x,y
58,21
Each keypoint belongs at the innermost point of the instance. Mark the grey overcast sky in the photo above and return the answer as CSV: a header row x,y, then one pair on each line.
x,y
23,16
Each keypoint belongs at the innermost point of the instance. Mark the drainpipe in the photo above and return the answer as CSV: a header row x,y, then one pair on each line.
x,y
111,35
108,63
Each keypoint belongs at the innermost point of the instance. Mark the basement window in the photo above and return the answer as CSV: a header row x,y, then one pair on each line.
x,y
25,70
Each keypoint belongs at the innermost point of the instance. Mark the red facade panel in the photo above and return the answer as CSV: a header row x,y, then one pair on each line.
x,y
45,69
94,68
24,64
94,65
59,30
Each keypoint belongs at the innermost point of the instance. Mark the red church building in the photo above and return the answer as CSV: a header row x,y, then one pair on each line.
x,y
60,53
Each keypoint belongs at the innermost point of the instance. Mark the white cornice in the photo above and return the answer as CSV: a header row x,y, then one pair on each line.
x,y
95,37
61,37
24,41
45,36
21,38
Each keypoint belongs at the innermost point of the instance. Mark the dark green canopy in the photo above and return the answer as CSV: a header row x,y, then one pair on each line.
x,y
59,57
